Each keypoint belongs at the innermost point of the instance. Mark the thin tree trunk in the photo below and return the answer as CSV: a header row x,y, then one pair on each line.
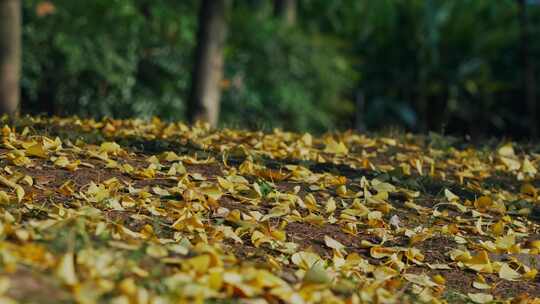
x,y
529,79
360,124
204,102
286,9
10,56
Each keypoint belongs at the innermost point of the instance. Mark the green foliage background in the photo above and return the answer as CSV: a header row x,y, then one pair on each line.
x,y
449,66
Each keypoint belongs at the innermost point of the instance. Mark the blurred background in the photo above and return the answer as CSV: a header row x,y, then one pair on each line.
x,y
463,67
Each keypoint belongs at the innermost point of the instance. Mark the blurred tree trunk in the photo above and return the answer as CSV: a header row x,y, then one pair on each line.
x,y
204,101
529,79
286,9
10,56
359,123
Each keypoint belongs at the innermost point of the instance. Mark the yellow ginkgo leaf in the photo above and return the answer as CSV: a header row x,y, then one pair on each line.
x,y
66,188
20,193
330,205
316,274
28,180
530,275
511,163
258,238
483,203
334,147
498,228
156,251
18,189
439,279
384,273
534,244
110,147
508,273
279,235
36,150
480,262
4,198
480,283
529,190
61,161
480,298
422,279
199,263
382,186
507,150
528,168
305,259
212,191
381,252
65,270
331,243
451,197
506,242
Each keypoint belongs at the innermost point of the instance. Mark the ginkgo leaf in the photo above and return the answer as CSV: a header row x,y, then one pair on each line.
x,y
156,251
335,147
480,298
422,279
65,270
528,168
330,205
66,188
4,198
529,189
439,279
438,266
331,243
316,274
18,189
304,259
507,150
314,219
498,228
480,283
250,215
506,242
36,150
160,191
483,202
507,273
530,275
20,193
98,193
258,238
382,186
381,252
384,273
110,147
480,262
61,161
199,263
451,197
512,164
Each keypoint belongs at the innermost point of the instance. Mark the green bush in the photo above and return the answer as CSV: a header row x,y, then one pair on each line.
x,y
283,77
450,66
108,58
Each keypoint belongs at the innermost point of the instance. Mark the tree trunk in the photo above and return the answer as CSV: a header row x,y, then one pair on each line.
x,y
208,69
529,79
359,123
286,9
10,56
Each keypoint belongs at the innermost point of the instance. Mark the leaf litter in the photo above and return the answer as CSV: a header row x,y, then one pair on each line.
x,y
132,211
